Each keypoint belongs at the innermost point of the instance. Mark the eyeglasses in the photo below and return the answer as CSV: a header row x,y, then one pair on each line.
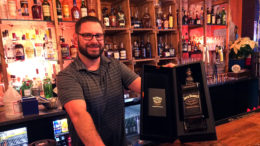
x,y
89,36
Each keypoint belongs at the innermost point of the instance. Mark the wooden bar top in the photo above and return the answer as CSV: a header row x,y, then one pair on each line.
x,y
244,131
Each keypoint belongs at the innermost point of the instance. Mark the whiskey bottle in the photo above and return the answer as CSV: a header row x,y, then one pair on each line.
x,y
59,10
191,102
73,50
105,17
136,50
213,16
75,12
146,19
46,10
29,47
110,52
122,52
160,47
66,10
172,51
83,9
218,17
24,7
116,52
208,16
65,50
170,18
36,10
142,49
159,21
120,17
223,16
112,18
148,47
165,22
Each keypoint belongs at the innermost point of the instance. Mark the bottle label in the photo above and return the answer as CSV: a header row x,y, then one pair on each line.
x,y
224,19
171,21
123,54
106,21
19,52
76,14
73,52
213,20
29,52
24,8
65,52
46,10
84,12
166,24
27,92
116,55
208,19
66,11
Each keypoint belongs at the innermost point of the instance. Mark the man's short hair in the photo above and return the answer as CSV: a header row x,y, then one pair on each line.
x,y
86,19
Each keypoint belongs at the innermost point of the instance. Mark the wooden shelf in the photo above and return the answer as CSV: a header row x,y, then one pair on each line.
x,y
167,30
22,22
144,60
219,2
168,58
141,29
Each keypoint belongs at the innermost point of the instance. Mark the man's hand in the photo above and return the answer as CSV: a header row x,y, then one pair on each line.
x,y
169,65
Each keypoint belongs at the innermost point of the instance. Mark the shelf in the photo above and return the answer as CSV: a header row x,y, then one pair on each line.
x,y
168,58
19,22
111,31
144,60
195,1
141,29
219,2
166,30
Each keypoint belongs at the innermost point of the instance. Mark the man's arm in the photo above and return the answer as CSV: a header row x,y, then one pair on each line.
x,y
136,85
83,122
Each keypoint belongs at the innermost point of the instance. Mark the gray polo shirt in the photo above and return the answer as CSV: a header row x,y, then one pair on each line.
x,y
103,91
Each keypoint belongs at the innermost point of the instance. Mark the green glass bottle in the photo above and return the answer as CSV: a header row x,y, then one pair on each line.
x,y
47,87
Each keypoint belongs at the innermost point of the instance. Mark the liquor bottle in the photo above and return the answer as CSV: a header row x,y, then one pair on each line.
x,y
120,17
170,18
185,18
172,51
46,10
148,47
218,17
59,10
166,51
24,7
197,20
48,47
29,47
19,49
112,18
137,22
12,9
201,15
36,10
73,50
208,16
3,9
159,18
116,52
66,10
105,17
165,21
9,47
75,12
192,109
65,50
160,47
136,50
122,51
47,87
142,49
223,16
110,52
83,9
184,45
146,19
35,88
92,12
213,17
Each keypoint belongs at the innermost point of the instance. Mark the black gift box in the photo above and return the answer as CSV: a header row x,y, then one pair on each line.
x,y
176,104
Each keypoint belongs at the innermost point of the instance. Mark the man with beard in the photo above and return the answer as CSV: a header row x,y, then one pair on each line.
x,y
91,89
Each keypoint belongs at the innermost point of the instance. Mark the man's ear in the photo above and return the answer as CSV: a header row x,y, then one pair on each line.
x,y
75,39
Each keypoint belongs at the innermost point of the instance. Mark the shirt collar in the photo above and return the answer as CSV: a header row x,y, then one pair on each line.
x,y
79,65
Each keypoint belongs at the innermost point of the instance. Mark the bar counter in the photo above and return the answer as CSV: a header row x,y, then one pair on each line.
x,y
244,130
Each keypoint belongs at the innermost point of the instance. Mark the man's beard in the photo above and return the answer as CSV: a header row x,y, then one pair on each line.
x,y
84,51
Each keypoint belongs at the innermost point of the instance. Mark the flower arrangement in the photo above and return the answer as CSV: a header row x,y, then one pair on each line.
x,y
242,48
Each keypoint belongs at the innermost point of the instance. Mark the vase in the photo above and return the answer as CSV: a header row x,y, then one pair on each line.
x,y
240,62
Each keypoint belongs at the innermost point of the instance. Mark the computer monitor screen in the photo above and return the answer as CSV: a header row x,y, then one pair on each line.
x,y
61,132
14,137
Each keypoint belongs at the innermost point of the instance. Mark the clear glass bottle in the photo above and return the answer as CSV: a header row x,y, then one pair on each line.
x,y
146,19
